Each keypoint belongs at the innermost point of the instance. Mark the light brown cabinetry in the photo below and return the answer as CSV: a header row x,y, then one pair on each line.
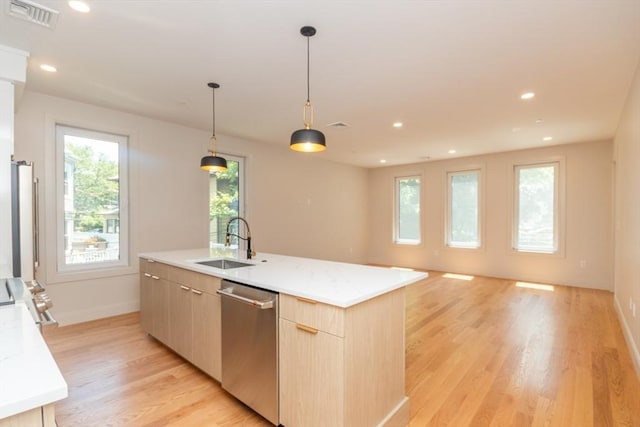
x,y
181,320
342,367
42,416
181,309
154,299
207,339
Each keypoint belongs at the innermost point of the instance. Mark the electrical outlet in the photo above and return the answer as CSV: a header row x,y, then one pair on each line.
x,y
583,263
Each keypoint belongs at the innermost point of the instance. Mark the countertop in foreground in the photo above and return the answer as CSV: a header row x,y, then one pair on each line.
x,y
29,376
336,283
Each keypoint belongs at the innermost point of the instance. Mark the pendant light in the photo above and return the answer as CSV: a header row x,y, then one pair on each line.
x,y
213,162
307,139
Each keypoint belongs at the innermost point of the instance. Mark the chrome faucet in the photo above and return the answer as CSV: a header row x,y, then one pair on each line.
x,y
227,240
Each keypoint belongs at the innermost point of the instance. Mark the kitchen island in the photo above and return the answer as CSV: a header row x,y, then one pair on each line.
x,y
341,329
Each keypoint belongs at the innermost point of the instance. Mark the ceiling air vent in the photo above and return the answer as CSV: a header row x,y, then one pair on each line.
x,y
32,12
339,125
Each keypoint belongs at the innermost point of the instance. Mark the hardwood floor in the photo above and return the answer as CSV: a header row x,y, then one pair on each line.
x,y
480,352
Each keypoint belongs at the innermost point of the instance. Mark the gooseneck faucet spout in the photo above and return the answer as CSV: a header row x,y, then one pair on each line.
x,y
227,239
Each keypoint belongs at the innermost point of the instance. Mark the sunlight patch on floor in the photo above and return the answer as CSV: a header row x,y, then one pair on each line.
x,y
457,276
539,286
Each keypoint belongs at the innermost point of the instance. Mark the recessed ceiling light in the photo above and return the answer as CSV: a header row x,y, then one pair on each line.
x,y
547,138
383,161
539,121
452,151
527,95
48,68
79,6
397,124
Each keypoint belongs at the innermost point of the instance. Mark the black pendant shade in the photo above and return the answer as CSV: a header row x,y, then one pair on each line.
x,y
307,140
212,162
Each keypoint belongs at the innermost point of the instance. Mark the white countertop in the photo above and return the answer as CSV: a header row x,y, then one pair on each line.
x,y
335,283
29,376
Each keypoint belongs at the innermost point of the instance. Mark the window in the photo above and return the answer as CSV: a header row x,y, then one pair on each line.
x,y
92,198
407,210
463,213
226,200
536,208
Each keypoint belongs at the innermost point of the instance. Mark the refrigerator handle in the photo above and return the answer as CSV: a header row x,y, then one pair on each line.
x,y
36,222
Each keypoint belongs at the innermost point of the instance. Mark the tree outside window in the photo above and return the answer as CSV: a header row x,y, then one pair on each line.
x,y
536,207
407,217
225,201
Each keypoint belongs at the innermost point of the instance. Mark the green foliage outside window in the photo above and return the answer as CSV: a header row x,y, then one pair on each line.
x,y
96,186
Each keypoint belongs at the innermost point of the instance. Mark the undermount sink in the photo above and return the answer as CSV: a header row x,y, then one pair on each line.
x,y
224,263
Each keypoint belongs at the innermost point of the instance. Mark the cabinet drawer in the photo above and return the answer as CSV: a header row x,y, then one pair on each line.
x,y
199,281
153,268
324,317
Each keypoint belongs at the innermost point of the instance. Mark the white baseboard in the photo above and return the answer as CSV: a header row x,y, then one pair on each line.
x,y
93,313
633,348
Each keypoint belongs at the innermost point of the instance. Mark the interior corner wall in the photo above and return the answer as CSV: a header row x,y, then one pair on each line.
x,y
627,220
296,204
587,252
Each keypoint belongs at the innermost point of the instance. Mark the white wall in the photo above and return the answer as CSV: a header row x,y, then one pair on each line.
x,y
587,225
296,204
627,219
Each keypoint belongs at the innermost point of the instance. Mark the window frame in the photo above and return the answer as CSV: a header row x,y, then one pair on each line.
x,y
123,140
396,212
559,207
448,208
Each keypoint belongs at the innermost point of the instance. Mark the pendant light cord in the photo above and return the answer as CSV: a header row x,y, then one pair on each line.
x,y
213,112
308,97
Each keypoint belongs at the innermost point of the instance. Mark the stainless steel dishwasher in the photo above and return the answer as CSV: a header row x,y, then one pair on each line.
x,y
250,346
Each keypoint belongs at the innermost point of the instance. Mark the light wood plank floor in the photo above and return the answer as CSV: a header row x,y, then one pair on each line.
x,y
480,352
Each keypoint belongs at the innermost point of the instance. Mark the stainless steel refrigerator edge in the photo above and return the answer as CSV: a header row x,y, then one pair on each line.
x,y
250,347
24,227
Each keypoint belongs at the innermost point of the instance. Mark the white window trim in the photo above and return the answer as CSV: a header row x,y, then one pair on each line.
x,y
448,200
396,213
54,194
559,212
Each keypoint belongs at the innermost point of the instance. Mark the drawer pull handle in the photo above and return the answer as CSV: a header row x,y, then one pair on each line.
x,y
155,277
308,301
184,288
307,328
150,260
147,275
197,292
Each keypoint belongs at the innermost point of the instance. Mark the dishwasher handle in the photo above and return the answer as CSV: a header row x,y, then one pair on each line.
x,y
262,305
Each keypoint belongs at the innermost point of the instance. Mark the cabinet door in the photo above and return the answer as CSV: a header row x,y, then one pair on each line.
x,y
206,332
146,302
180,325
160,308
311,377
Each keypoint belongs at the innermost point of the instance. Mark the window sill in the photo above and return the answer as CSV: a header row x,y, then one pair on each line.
x,y
93,274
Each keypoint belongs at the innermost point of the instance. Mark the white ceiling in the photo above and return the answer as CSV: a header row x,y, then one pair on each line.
x,y
452,71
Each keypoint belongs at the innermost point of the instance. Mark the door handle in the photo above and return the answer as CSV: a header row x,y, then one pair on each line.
x,y
262,305
306,328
